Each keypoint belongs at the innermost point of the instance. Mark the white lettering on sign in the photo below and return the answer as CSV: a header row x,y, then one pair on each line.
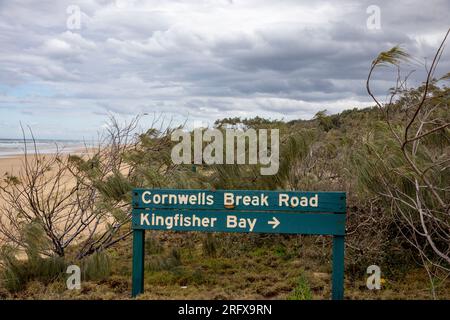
x,y
286,200
145,199
243,223
177,220
231,199
200,198
144,219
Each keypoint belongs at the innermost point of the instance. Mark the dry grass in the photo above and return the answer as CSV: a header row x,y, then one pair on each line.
x,y
245,267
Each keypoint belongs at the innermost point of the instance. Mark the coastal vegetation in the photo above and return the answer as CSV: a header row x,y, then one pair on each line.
x,y
392,159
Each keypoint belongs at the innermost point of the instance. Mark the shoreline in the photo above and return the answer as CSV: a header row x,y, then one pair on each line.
x,y
12,162
31,154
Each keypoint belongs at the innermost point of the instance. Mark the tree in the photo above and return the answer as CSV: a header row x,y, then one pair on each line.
x,y
407,161
72,199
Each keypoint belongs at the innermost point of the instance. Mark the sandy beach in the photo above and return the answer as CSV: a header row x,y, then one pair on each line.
x,y
14,164
11,164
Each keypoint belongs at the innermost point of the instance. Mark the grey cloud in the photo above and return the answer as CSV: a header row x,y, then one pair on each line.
x,y
208,59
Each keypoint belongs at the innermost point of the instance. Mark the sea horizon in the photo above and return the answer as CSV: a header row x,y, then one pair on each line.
x,y
16,147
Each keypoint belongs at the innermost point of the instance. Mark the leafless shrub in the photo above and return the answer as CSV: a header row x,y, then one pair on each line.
x,y
411,166
75,199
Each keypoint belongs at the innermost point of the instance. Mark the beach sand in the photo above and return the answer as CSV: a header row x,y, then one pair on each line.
x,y
14,165
11,165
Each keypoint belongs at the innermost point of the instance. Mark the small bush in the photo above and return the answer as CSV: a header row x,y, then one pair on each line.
x,y
96,267
153,246
210,245
185,276
15,274
282,251
302,291
164,262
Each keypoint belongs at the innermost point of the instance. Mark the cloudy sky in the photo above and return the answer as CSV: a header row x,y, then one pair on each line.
x,y
198,60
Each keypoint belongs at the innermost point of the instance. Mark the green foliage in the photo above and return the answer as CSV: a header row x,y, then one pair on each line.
x,y
394,56
302,291
165,261
404,161
255,123
96,266
11,179
325,121
282,251
381,164
90,167
294,152
153,246
116,187
209,245
15,274
35,240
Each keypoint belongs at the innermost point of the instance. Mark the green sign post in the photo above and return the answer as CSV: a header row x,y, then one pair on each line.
x,y
292,212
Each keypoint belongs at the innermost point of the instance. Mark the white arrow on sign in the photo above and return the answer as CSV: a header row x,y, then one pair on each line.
x,y
274,222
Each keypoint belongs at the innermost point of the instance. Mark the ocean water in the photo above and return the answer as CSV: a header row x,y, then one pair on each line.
x,y
10,147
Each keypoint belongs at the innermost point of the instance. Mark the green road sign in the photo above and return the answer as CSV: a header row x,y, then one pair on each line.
x,y
293,212
240,200
226,221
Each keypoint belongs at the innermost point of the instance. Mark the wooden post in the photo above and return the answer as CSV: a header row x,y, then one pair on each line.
x,y
138,262
338,268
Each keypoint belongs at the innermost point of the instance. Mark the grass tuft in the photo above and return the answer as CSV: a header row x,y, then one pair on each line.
x,y
302,291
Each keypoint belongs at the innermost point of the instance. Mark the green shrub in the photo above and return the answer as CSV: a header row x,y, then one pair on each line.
x,y
153,246
186,276
96,267
164,262
302,291
15,274
282,251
